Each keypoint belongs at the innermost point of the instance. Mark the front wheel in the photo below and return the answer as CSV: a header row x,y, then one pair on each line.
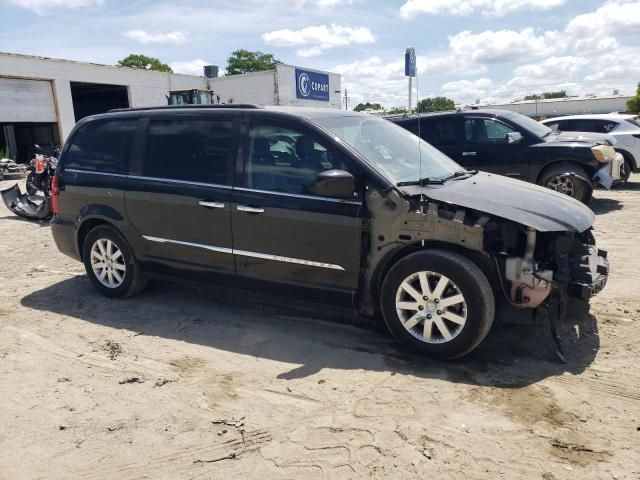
x,y
569,183
625,173
437,303
32,187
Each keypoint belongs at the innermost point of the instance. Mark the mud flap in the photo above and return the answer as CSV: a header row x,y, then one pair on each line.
x,y
32,207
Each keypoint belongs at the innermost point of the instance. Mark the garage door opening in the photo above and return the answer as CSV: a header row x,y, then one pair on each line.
x,y
18,140
92,98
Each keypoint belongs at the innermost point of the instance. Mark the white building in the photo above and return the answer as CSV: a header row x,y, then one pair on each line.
x,y
286,85
41,99
555,107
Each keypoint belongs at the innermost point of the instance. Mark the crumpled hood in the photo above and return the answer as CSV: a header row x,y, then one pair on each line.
x,y
522,202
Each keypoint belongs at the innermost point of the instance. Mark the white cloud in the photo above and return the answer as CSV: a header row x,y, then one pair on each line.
x,y
488,8
376,80
503,45
317,39
467,89
552,67
177,38
614,18
299,4
190,67
42,6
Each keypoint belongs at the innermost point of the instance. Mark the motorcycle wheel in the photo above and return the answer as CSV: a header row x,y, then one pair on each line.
x,y
32,188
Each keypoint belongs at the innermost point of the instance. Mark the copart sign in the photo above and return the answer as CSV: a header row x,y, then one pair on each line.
x,y
312,85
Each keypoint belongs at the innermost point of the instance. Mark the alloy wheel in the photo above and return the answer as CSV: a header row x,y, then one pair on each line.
x,y
562,184
431,307
108,263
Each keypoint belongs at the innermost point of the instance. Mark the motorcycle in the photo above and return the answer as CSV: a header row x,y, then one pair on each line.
x,y
10,169
33,205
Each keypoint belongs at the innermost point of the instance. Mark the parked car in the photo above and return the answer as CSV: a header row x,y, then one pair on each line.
x,y
316,203
624,128
510,144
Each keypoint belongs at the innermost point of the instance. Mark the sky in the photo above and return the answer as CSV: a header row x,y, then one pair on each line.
x,y
467,50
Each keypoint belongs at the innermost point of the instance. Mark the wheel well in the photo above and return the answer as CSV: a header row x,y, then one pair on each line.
x,y
561,163
629,158
484,263
85,228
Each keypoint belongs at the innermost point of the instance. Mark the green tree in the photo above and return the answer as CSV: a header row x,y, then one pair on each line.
x,y
547,95
361,107
633,105
437,104
397,111
244,61
143,62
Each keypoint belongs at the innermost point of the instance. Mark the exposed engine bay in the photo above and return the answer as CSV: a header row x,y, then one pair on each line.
x,y
534,273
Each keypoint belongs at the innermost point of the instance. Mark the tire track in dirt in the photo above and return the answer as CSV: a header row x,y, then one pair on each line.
x,y
610,388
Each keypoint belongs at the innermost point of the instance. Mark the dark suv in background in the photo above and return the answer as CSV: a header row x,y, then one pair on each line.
x,y
508,143
304,202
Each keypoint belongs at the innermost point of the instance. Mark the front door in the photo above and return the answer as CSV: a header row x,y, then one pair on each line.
x,y
281,231
486,148
179,200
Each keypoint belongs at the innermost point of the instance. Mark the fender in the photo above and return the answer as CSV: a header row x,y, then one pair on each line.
x,y
93,214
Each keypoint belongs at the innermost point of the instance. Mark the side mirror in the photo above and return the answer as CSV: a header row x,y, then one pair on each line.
x,y
335,184
513,137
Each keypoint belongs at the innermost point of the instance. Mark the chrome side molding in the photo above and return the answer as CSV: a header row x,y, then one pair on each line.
x,y
246,253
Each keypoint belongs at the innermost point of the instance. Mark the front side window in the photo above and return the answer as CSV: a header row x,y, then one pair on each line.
x,y
189,150
485,130
102,146
283,159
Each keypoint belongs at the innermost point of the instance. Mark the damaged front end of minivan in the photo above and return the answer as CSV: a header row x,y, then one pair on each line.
x,y
535,247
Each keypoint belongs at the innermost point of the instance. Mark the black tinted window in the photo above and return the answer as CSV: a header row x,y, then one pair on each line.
x,y
102,146
191,150
282,159
589,125
439,131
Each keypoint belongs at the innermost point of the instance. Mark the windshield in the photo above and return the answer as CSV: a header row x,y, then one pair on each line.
x,y
538,129
390,149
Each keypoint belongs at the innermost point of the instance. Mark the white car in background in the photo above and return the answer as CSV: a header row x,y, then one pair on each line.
x,y
625,128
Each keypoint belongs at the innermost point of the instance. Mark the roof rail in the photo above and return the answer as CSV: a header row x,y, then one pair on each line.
x,y
171,107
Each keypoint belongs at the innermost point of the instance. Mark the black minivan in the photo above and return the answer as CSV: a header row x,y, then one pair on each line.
x,y
300,201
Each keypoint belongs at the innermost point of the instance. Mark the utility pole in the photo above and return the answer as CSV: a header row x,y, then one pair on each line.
x,y
346,100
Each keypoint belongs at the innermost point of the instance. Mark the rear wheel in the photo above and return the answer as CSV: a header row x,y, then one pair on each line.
x,y
32,188
437,303
109,263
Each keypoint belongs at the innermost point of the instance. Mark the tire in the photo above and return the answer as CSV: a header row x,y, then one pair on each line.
x,y
569,181
473,315
625,174
32,189
122,277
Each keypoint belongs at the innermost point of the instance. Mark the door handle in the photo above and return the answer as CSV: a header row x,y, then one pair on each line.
x,y
468,154
248,209
206,204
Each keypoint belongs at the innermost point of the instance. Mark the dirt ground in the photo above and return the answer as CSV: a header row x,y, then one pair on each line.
x,y
189,383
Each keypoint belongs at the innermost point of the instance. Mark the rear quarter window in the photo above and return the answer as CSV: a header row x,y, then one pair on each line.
x,y
103,146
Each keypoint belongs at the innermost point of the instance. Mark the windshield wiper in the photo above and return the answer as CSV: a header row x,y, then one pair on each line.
x,y
437,181
460,174
422,182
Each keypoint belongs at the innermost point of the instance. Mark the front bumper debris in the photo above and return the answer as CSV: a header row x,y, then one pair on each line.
x,y
32,207
609,172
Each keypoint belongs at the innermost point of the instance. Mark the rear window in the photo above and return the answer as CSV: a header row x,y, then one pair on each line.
x,y
102,146
634,121
189,150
